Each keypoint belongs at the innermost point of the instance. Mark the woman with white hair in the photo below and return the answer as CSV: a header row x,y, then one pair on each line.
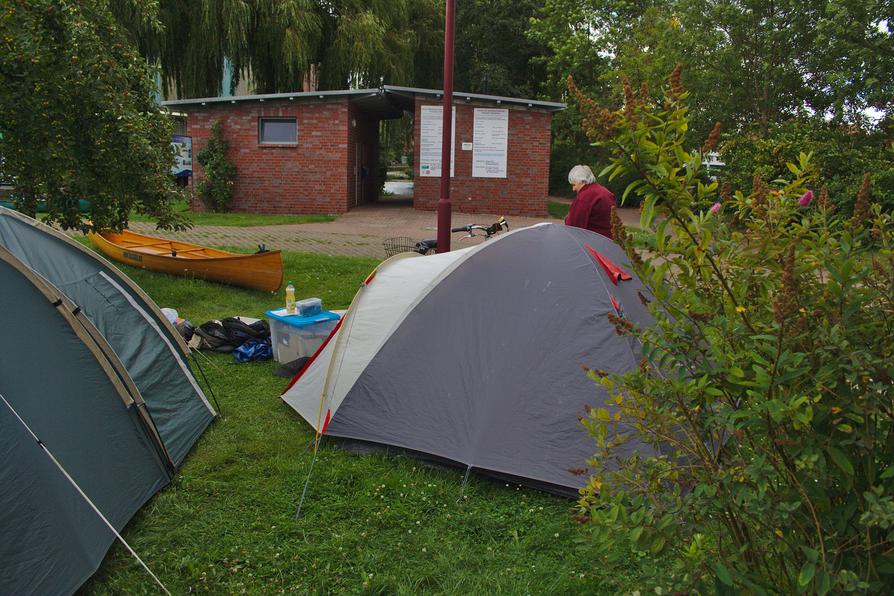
x,y
592,208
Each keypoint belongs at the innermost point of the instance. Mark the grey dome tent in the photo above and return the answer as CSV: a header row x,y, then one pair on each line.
x,y
475,356
95,375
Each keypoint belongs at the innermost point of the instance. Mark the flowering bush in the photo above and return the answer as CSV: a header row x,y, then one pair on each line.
x,y
840,154
766,381
216,188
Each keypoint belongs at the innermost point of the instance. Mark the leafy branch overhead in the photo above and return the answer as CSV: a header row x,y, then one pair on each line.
x,y
766,382
78,118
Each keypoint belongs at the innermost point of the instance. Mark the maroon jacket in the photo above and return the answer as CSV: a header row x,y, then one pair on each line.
x,y
592,209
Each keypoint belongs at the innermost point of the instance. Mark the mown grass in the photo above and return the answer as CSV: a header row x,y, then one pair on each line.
x,y
381,523
558,210
241,220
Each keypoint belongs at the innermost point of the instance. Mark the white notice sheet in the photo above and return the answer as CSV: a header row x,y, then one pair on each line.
x,y
431,130
490,142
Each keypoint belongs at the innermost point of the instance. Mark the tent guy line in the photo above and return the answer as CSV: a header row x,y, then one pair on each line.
x,y
68,477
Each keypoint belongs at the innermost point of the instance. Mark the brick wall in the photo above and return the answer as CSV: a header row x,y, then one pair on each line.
x,y
309,177
525,189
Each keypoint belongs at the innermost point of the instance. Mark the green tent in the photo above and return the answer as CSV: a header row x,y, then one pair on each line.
x,y
98,406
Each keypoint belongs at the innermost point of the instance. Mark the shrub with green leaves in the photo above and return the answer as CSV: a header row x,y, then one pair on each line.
x,y
215,189
766,379
840,154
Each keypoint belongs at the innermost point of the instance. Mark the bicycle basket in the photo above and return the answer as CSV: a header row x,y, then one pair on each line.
x,y
398,244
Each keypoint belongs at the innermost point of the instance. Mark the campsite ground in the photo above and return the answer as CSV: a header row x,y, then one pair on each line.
x,y
378,523
359,232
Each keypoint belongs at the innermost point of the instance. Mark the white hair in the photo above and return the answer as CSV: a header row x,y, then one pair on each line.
x,y
581,175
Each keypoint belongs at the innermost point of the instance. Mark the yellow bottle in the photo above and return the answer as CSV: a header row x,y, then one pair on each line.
x,y
290,299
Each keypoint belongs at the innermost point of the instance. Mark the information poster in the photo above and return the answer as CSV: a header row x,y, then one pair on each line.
x,y
182,156
431,131
490,143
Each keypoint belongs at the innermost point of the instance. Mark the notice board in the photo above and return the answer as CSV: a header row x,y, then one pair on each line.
x,y
490,143
431,130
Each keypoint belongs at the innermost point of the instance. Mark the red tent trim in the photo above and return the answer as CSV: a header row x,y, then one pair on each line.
x,y
326,422
614,272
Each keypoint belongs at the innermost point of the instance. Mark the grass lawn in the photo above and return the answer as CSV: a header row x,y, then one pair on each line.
x,y
380,523
241,220
558,210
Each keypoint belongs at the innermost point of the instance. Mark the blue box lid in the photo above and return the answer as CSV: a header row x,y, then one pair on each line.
x,y
297,320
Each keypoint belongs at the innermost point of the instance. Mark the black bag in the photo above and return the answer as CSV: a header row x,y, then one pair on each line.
x,y
215,337
239,332
230,333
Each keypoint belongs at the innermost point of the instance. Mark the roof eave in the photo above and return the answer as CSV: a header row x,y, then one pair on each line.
x,y
498,99
300,95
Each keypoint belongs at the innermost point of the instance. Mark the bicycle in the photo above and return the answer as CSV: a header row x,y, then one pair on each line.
x,y
429,246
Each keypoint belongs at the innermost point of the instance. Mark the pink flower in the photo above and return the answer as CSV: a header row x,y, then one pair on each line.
x,y
805,198
715,208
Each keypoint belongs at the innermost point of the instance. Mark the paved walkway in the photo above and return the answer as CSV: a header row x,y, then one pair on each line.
x,y
359,232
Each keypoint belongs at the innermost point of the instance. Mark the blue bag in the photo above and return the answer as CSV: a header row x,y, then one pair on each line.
x,y
253,350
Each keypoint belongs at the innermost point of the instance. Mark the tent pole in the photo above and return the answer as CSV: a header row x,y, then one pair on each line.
x,y
86,498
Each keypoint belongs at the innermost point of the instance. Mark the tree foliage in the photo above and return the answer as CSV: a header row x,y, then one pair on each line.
x,y
278,43
78,117
749,65
492,47
745,62
766,381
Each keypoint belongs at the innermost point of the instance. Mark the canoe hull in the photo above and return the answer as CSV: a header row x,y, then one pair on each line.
x,y
260,271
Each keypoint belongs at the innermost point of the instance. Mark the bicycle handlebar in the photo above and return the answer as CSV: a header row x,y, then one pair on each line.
x,y
424,246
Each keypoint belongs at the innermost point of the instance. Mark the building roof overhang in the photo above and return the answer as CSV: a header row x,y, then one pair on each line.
x,y
386,102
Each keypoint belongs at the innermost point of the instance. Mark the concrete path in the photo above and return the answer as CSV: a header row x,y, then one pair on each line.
x,y
360,232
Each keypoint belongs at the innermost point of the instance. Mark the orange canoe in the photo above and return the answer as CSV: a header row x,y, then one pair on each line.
x,y
259,271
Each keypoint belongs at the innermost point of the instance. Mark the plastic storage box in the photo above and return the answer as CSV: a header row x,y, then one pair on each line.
x,y
294,336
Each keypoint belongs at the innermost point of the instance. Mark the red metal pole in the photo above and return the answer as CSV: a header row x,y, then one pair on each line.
x,y
444,206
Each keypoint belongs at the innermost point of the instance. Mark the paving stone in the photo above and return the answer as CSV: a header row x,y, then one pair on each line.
x,y
359,232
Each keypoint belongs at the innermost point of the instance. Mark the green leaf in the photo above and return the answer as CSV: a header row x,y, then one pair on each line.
x,y
648,213
824,583
806,575
723,574
841,460
793,169
635,534
887,473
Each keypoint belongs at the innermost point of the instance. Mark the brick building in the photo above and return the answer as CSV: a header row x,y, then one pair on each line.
x,y
317,152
